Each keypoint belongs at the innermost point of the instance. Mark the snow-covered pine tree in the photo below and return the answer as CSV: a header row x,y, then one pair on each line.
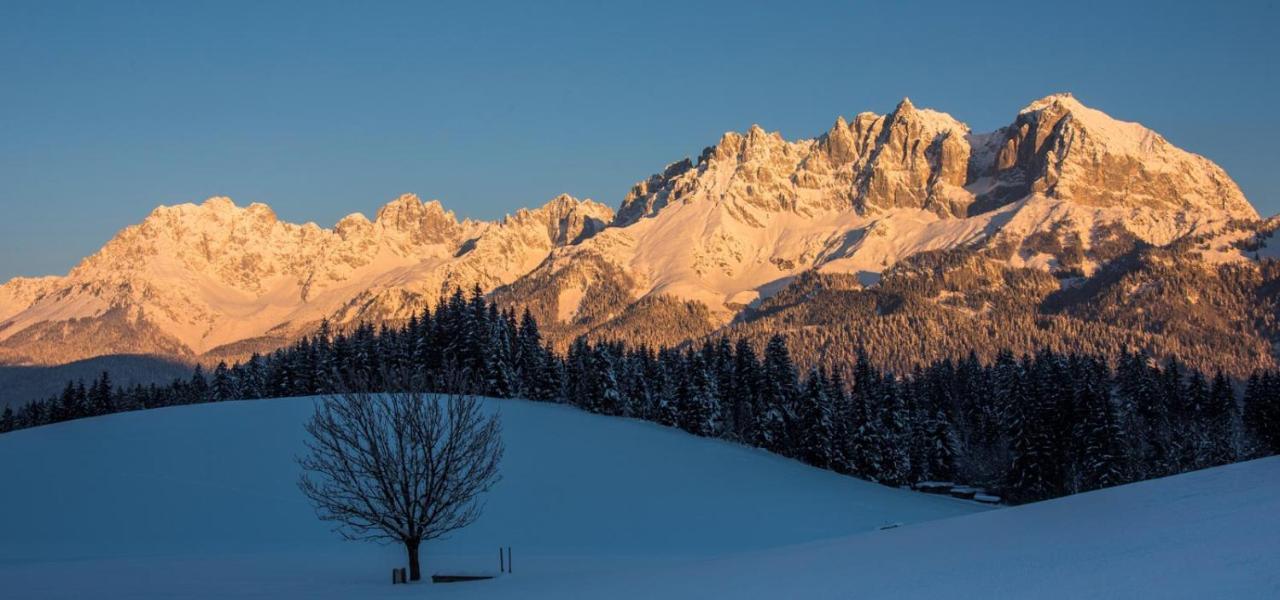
x,y
696,401
814,422
549,385
1139,393
669,371
896,427
100,400
1034,474
198,389
1197,446
777,395
941,448
605,394
1221,418
528,354
744,395
1173,390
254,383
1261,415
841,423
1103,461
578,363
223,386
721,369
499,364
70,405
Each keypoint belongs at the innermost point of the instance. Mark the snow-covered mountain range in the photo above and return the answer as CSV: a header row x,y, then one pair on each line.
x,y
1058,190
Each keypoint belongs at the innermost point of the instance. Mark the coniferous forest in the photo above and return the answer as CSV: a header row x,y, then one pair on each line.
x,y
1029,427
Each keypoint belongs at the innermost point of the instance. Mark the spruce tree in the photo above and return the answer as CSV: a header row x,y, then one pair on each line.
x,y
1261,414
841,424
1104,462
777,394
941,448
1220,422
744,396
698,408
529,362
1196,425
896,428
604,394
8,422
1034,474
814,417
198,388
100,400
69,405
223,387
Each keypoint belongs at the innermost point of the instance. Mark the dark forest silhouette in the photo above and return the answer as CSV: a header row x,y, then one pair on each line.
x,y
1030,427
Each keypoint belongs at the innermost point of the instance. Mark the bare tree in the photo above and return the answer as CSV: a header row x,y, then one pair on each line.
x,y
401,466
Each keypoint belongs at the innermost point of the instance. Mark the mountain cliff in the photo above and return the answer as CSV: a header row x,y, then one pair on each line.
x,y
1063,190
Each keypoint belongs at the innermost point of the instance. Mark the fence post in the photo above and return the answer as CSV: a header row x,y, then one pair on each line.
x,y
502,568
508,559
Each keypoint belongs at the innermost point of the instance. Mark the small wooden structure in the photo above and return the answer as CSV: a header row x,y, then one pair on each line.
x,y
458,578
504,566
400,575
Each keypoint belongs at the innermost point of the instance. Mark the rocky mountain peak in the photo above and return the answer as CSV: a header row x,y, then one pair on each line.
x,y
1060,148
353,224
423,222
565,218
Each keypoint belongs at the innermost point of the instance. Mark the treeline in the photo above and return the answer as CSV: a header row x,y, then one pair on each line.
x,y
1029,428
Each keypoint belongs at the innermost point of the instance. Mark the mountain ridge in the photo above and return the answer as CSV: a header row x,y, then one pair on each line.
x,y
726,231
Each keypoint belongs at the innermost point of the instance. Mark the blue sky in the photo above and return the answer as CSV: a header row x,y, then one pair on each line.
x,y
108,109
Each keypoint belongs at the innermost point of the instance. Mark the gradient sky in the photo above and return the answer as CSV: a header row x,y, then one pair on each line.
x,y
108,109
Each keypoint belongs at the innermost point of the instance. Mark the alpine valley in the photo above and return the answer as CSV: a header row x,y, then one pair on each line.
x,y
905,234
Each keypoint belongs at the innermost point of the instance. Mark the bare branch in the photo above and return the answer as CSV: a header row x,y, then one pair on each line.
x,y
402,465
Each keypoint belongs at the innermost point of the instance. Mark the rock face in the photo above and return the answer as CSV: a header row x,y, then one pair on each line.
x,y
1062,149
1062,189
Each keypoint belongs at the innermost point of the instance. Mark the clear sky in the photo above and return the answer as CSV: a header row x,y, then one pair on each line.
x,y
108,109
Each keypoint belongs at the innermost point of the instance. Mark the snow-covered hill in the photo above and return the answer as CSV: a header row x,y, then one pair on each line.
x,y
1207,534
1058,186
199,502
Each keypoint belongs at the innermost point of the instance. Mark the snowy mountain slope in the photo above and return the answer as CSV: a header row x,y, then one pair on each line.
x,y
191,278
91,504
1060,189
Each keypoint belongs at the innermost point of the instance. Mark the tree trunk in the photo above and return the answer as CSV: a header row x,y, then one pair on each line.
x,y
415,573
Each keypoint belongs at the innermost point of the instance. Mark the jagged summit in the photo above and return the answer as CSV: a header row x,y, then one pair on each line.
x,y
1063,149
726,231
